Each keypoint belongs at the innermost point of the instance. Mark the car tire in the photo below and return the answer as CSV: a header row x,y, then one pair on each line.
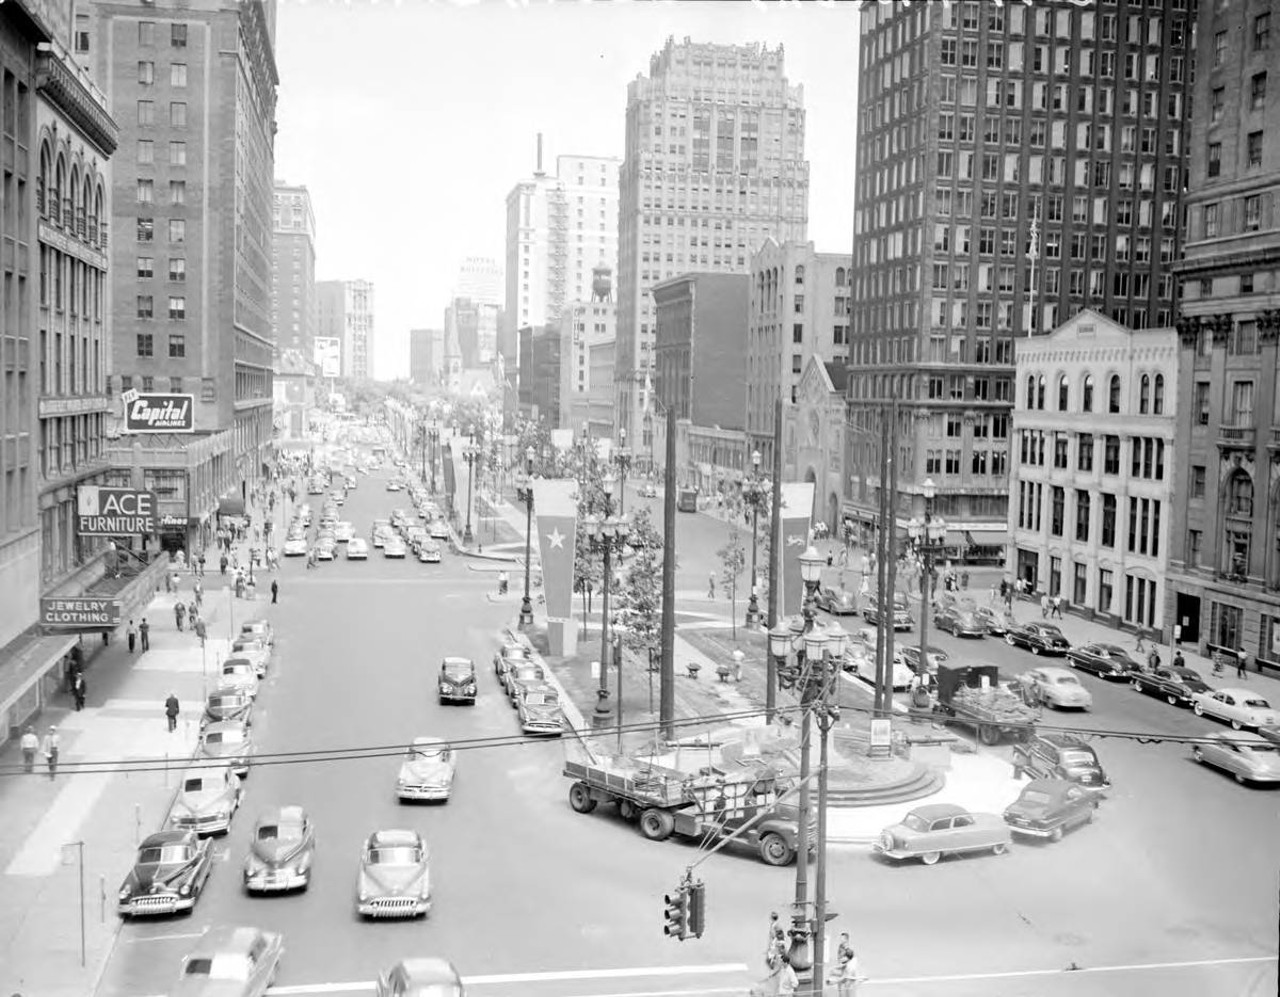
x,y
930,858
1197,755
627,810
1000,849
1236,725
989,734
580,798
1241,779
657,825
1056,834
1008,639
774,850
1035,648
1171,699
1198,709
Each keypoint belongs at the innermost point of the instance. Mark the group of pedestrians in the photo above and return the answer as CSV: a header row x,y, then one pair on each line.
x,y
47,746
782,980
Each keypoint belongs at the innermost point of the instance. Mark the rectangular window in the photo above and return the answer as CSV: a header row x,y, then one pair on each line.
x,y
146,32
1082,515
1084,451
146,267
177,153
1194,543
1258,91
1079,583
178,35
146,152
146,73
1057,504
1108,520
1261,34
146,343
177,345
177,308
145,310
177,192
146,229
1111,455
177,114
1220,47
177,74
146,191
177,230
1203,389
177,268
1105,579
1197,481
146,112
1215,159
1254,148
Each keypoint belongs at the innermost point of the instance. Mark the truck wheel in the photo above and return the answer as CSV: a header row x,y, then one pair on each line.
x,y
989,735
774,849
657,825
580,798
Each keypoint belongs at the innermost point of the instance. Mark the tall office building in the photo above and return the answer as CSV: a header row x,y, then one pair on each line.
x,y
1223,584
714,166
344,312
480,280
293,270
426,356
559,229
1016,164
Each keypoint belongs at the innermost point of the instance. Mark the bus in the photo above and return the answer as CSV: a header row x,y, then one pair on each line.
x,y
687,500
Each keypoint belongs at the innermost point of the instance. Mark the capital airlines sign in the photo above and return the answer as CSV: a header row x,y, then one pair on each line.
x,y
151,413
114,512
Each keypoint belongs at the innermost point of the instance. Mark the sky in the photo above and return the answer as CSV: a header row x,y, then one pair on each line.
x,y
409,121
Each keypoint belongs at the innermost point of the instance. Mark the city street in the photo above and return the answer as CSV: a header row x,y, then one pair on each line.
x,y
532,898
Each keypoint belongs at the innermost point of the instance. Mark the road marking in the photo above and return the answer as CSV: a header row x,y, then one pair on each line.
x,y
165,938
1063,971
41,853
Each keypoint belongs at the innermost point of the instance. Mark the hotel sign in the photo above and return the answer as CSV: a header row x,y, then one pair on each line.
x,y
80,613
114,512
152,413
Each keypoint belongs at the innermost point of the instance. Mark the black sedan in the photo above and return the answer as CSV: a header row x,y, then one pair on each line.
x,y
996,623
1174,684
1109,661
1048,807
837,602
168,875
1038,638
959,621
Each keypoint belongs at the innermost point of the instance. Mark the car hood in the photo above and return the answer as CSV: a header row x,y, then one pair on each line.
x,y
202,986
144,878
447,679
274,851
426,772
393,880
1031,810
225,749
542,711
203,800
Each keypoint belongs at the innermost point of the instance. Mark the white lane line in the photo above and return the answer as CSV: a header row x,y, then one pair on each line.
x,y
164,938
41,853
1062,971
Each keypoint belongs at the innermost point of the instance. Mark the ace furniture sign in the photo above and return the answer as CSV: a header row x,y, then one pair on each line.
x,y
154,413
114,512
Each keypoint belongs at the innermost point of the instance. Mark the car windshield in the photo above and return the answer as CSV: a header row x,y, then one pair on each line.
x,y
224,737
1065,680
279,832
1261,749
457,669
914,822
1050,631
394,855
1078,758
1036,797
427,752
540,699
223,966
164,855
528,672
196,785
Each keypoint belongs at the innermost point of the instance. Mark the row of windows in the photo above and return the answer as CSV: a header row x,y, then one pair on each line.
x,y
69,442
1143,522
147,34
982,463
177,73
146,308
1146,453
146,191
146,268
1150,400
146,153
176,345
177,113
146,230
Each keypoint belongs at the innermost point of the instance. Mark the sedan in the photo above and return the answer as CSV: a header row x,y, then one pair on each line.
x,y
344,532
1046,808
934,656
326,550
207,800
258,628
429,552
239,675
393,486
280,852
439,530
1109,661
357,550
168,874
295,547
229,742
231,962
510,652
1175,683
420,977
1248,757
938,829
515,679
394,547
394,878
1038,638
1238,707
540,710
427,771
837,602
959,622
252,653
996,623
1055,687
901,615
457,683
865,668
227,704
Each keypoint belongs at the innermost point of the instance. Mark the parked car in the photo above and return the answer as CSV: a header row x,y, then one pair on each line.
x,y
1055,687
1108,661
1174,683
648,491
1238,707
240,675
1250,758
959,621
427,771
1046,808
458,681
231,962
229,742
997,623
439,530
510,652
936,829
540,710
838,602
260,629
524,674
280,852
357,550
1053,755
1038,638
934,656
865,668
901,615
227,704
207,800
429,552
421,977
295,547
394,878
168,874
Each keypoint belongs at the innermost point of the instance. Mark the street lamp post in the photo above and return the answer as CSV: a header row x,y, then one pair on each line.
x,y
623,458
755,493
470,454
606,534
524,492
433,434
928,536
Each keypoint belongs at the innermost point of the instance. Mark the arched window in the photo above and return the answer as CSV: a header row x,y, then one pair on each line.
x,y
1240,496
1086,399
1144,395
799,273
1237,525
1040,392
1113,394
1157,397
1031,392
839,276
55,195
42,183
1064,393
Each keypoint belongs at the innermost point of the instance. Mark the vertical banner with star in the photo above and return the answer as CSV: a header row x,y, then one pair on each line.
x,y
797,510
555,508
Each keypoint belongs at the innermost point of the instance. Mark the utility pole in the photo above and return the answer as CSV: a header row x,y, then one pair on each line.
x,y
667,676
775,575
890,562
882,565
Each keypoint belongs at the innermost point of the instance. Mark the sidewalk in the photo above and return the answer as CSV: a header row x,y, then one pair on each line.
x,y
110,812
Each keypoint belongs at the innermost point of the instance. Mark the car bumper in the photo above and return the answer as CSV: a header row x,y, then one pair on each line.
x,y
897,854
429,558
216,824
153,905
457,697
1071,704
1035,830
390,907
970,632
419,792
553,728
275,880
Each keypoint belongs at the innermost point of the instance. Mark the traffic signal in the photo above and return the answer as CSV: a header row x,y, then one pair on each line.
x,y
697,908
677,914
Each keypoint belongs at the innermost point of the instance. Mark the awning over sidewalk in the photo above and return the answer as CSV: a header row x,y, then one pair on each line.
x,y
231,505
23,662
987,538
955,538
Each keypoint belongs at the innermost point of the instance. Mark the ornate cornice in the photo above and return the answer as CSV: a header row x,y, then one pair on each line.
x,y
1221,326
1188,330
1269,326
61,86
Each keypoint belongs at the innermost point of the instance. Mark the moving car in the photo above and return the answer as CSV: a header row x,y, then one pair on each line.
x,y
1174,683
420,978
326,550
865,669
393,486
295,547
207,800
938,829
458,681
357,550
1053,755
231,962
959,621
1048,807
427,771
230,742
648,491
1038,638
394,878
168,874
227,704
1239,707
901,616
239,674
1108,661
540,710
996,623
1248,757
280,852
837,602
1055,687
260,629
393,547
429,552
910,654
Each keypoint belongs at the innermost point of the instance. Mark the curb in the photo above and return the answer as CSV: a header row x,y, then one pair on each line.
x,y
577,722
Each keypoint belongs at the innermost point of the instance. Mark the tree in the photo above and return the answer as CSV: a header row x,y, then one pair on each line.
x,y
640,595
733,558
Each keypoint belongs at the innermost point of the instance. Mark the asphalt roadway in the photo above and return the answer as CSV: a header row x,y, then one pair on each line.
x,y
1173,891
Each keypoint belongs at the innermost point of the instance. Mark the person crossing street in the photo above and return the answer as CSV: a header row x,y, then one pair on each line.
x,y
171,708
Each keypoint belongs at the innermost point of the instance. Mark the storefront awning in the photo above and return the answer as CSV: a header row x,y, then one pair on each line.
x,y
955,538
987,538
231,505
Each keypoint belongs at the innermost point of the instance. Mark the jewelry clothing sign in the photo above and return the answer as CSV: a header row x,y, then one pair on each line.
x,y
79,612
114,512
159,413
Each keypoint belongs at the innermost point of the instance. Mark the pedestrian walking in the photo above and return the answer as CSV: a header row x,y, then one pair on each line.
x,y
1178,660
1153,659
845,972
503,582
168,582
131,635
201,631
1242,664
1044,605
711,585
177,581
275,591
30,745
1055,605
171,708
78,691
198,592
49,748
222,564
179,613
144,631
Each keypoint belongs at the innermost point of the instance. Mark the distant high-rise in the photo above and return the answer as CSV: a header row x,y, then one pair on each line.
x,y
714,166
345,312
480,280
426,356
293,270
1016,164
